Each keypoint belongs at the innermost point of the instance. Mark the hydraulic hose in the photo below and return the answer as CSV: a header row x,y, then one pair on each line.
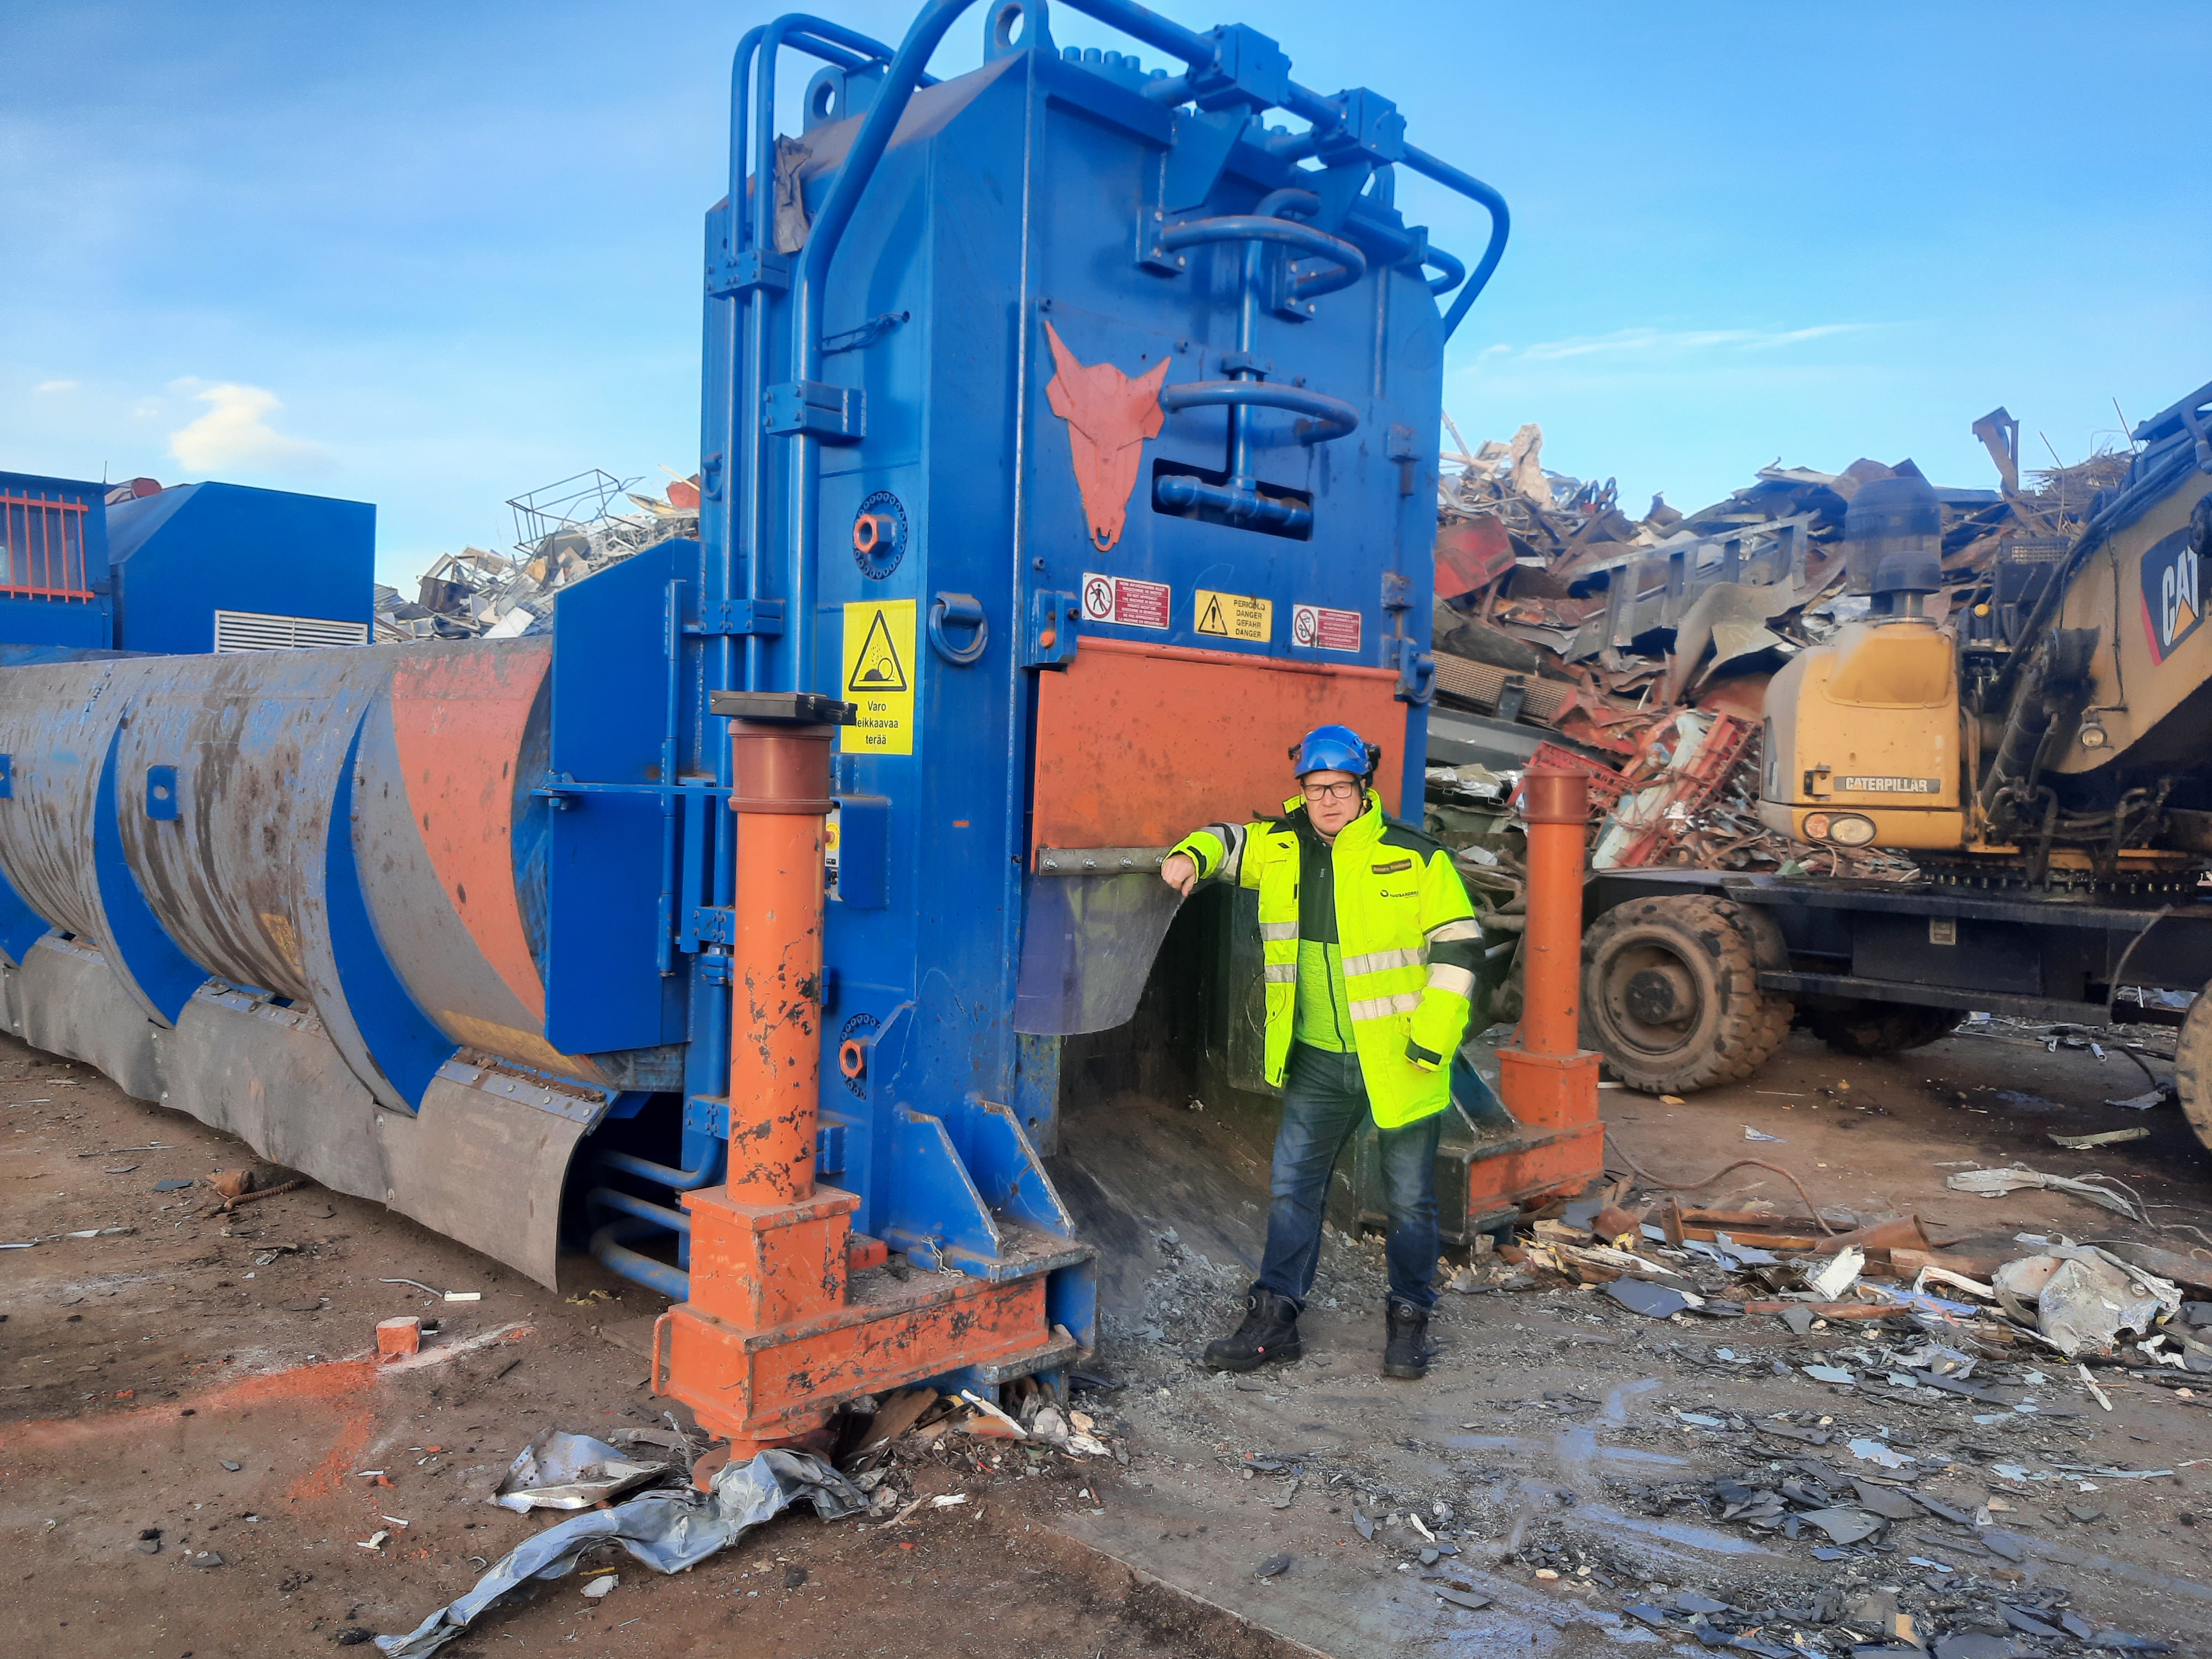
x,y
2060,663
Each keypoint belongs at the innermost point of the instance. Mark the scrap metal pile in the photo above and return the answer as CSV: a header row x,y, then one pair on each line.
x,y
564,532
1642,647
2048,1294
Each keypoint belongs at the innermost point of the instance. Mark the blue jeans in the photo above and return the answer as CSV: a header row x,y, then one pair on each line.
x,y
1324,1102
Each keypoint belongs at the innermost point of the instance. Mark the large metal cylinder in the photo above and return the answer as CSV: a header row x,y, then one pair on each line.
x,y
781,776
347,829
1556,807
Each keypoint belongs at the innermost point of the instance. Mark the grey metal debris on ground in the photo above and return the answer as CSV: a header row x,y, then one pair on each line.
x,y
668,1531
561,1471
1996,1183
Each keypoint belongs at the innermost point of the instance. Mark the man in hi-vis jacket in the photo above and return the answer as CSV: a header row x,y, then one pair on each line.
x,y
1370,948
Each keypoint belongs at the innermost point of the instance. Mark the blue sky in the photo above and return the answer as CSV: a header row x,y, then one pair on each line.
x,y
431,256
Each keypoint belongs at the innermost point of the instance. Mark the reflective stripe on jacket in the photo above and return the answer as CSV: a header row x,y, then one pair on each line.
x,y
1410,945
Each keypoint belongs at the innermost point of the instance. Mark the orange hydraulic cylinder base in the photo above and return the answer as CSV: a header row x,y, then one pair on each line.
x,y
777,1331
1547,1080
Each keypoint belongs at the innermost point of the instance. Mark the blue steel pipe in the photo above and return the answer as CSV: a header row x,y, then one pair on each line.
x,y
1287,232
611,1253
833,43
905,73
847,49
844,48
1139,23
1451,271
900,80
672,734
609,1198
1335,418
1198,51
1501,224
664,1175
1179,490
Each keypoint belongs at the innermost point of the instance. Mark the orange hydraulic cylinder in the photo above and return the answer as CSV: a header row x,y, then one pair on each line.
x,y
1547,1080
1556,807
781,795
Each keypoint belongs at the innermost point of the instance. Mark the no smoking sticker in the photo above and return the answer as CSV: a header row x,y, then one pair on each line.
x,y
1233,615
1320,628
1125,601
880,665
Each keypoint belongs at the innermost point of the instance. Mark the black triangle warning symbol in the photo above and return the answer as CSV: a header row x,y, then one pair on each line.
x,y
1210,621
878,668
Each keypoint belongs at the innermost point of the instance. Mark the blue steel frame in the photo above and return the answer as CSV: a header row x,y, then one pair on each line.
x,y
30,621
938,1131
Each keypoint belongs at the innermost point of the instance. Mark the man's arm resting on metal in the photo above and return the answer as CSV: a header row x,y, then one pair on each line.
x,y
1214,853
1453,941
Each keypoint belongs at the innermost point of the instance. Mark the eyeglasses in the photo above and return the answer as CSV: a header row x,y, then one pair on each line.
x,y
1331,791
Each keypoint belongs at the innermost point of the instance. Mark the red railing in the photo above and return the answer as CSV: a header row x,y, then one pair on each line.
x,y
42,548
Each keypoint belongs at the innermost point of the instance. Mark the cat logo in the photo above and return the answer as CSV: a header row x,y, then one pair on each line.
x,y
2172,596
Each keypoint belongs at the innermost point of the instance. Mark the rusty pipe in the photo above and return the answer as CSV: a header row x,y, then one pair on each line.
x,y
1555,804
780,778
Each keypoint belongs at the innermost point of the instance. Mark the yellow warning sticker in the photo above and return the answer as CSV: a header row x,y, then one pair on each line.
x,y
879,670
1234,616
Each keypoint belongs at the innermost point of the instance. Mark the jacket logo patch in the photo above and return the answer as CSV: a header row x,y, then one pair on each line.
x,y
1391,869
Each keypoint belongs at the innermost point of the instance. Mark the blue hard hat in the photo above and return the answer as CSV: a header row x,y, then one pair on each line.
x,y
1334,748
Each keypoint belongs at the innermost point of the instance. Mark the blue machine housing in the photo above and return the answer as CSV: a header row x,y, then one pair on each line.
x,y
54,588
149,572
876,349
184,554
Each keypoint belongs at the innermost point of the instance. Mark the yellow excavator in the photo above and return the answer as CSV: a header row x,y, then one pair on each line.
x,y
2043,754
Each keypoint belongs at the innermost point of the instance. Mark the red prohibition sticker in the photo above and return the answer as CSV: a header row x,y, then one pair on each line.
x,y
1320,628
1125,601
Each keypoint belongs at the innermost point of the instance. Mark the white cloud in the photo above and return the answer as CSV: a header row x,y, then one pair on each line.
x,y
234,435
57,386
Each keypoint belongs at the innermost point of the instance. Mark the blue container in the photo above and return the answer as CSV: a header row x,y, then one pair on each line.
x,y
210,566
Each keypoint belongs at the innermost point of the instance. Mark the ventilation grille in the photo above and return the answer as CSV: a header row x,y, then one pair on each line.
x,y
249,631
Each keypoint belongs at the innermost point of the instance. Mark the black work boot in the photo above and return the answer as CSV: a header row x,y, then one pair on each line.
x,y
1406,1353
1269,1335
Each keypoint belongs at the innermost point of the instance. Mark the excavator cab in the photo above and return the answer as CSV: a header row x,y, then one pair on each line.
x,y
1862,738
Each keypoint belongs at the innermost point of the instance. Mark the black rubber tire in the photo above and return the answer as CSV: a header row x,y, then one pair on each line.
x,y
1670,992
1867,1029
2193,1065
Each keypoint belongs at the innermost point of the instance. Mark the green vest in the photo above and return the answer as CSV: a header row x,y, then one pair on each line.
x,y
1406,933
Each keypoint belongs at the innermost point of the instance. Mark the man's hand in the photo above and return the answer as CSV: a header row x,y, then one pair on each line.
x,y
1180,873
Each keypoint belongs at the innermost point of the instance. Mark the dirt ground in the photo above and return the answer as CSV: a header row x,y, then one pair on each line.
x,y
208,1379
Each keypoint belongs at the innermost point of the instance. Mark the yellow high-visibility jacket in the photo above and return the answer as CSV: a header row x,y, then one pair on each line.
x,y
1409,940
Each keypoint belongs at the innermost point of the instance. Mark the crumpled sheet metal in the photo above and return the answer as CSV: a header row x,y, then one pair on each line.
x,y
2081,1297
561,1471
1996,1183
668,1531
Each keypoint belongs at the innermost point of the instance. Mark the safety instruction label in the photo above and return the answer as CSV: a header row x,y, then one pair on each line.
x,y
1324,629
1125,601
1233,615
879,669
